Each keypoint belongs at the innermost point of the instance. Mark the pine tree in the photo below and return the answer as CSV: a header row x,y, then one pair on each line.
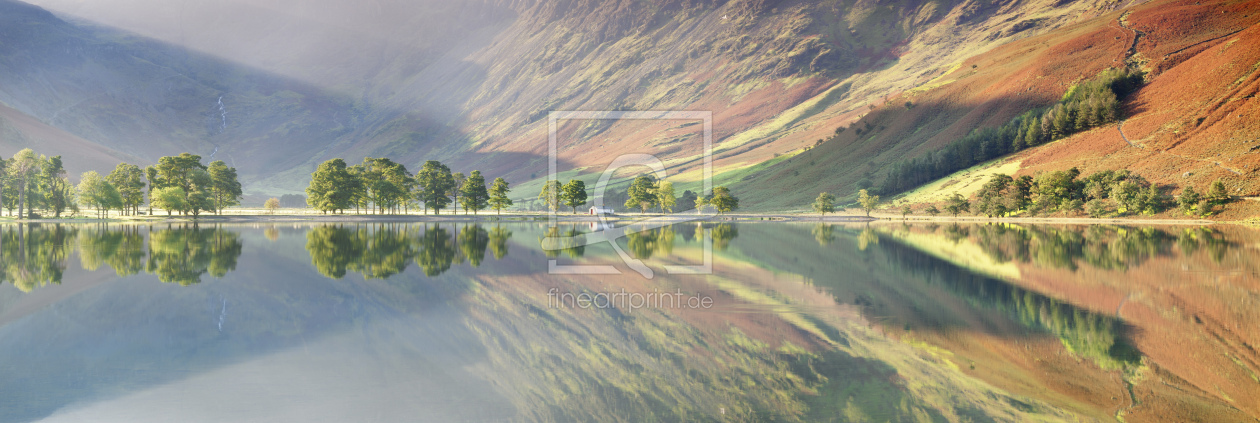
x,y
224,188
21,168
151,175
128,179
957,204
1188,199
550,194
458,179
434,181
332,187
499,195
474,191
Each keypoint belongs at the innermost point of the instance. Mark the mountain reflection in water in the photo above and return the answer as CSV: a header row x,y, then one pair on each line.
x,y
452,322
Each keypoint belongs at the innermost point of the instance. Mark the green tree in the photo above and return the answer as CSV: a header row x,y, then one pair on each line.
x,y
905,210
665,195
687,201
332,187
151,175
1188,199
1217,194
642,193
957,204
171,199
499,195
200,199
5,181
1127,196
991,198
129,180
932,210
434,181
385,184
23,166
1096,208
178,171
59,193
867,201
825,203
225,190
475,196
723,201
98,193
573,194
459,179
550,194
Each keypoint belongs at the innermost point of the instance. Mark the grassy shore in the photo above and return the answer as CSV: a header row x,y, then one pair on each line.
x,y
245,215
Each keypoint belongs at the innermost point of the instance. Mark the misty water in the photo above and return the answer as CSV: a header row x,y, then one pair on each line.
x,y
388,321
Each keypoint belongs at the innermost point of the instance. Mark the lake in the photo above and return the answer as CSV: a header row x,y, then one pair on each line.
x,y
518,321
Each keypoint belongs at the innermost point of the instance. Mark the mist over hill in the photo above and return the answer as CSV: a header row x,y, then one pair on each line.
x,y
275,87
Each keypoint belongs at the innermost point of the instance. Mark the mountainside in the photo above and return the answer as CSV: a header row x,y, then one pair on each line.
x,y
275,89
1191,123
18,131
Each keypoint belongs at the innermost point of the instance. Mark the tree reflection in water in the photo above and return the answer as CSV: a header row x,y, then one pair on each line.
x,y
34,255
1099,246
182,254
555,241
823,233
382,250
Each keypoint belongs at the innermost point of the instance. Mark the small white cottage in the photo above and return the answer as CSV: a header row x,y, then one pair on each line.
x,y
607,211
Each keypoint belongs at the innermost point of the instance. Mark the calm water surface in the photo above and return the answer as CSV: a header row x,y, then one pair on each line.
x,y
463,322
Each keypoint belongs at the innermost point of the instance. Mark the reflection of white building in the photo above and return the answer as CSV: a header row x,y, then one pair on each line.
x,y
600,226
607,211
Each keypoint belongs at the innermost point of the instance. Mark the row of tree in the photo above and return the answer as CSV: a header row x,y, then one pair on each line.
x,y
1103,193
1086,105
180,184
380,185
645,192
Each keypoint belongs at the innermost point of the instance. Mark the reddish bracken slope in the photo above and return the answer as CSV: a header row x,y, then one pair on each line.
x,y
1194,121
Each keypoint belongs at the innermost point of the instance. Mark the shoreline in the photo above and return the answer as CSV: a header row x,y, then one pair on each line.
x,y
626,218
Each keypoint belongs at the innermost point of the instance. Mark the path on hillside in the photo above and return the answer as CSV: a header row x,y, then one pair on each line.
x,y
1120,126
1128,60
1201,42
1137,36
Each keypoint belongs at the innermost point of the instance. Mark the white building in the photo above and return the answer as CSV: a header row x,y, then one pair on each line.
x,y
608,211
